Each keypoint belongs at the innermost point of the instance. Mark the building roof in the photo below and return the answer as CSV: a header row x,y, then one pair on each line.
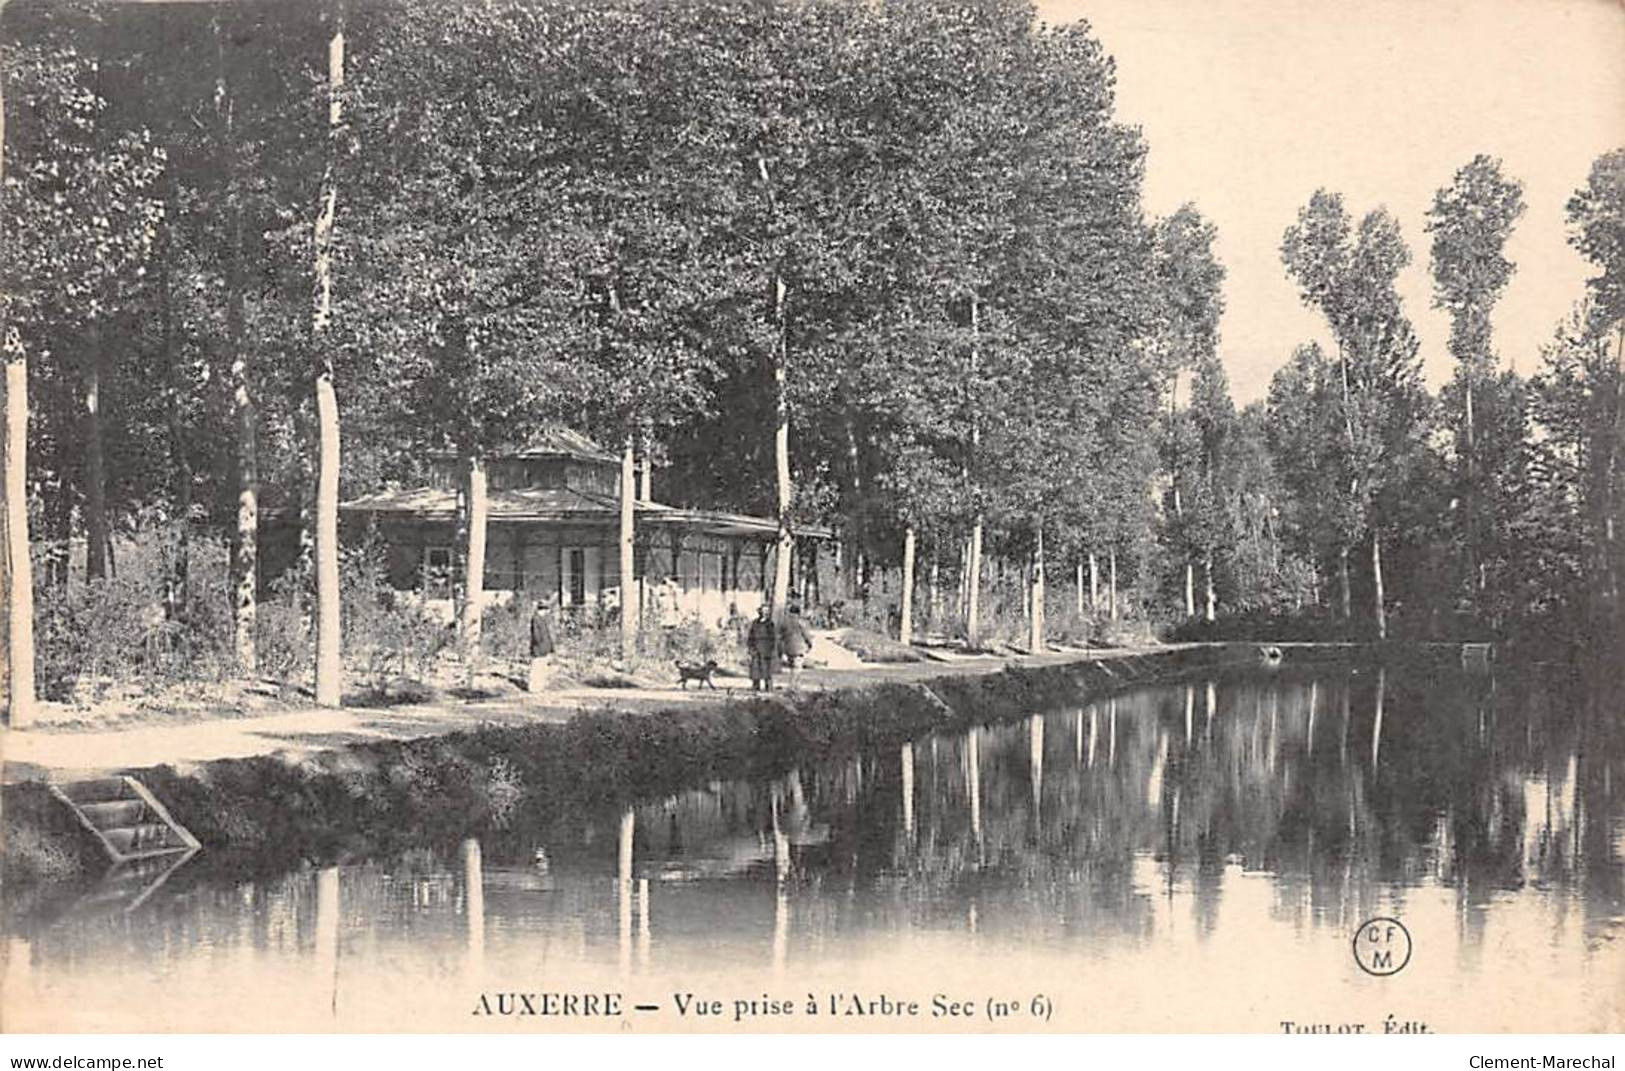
x,y
563,442
555,441
564,505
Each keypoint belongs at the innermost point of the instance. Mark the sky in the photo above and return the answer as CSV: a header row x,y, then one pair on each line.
x,y
1248,106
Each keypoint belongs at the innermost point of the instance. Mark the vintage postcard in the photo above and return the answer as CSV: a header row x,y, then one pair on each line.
x,y
813,516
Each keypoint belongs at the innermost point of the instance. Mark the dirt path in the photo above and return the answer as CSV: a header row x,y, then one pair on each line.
x,y
65,752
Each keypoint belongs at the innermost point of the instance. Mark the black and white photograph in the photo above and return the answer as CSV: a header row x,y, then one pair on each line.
x,y
813,517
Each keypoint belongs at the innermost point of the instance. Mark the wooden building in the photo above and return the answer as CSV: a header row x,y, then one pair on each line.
x,y
553,532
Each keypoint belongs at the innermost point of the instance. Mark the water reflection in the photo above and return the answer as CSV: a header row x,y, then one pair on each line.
x,y
1480,815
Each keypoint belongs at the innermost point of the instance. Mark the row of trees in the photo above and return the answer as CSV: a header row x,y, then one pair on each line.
x,y
910,234
1502,494
883,265
1489,510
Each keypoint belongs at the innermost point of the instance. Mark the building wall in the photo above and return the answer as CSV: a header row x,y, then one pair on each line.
x,y
579,566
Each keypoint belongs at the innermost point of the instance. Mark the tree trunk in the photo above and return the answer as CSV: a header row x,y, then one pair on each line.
x,y
96,537
176,584
244,560
19,575
781,431
1612,548
16,571
973,578
934,597
646,473
244,566
476,527
1604,446
1111,580
1376,579
812,585
781,451
245,546
177,589
306,431
1470,497
629,607
1035,617
329,663
1179,508
1343,580
854,491
1211,611
1094,583
961,589
973,585
1079,588
1376,721
905,618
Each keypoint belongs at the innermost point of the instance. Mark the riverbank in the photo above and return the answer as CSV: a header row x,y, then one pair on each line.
x,y
423,781
72,749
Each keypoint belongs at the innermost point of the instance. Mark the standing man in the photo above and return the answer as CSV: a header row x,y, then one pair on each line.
x,y
762,643
795,642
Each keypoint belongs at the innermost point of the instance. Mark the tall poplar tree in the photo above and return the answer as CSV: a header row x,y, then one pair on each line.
x,y
1350,275
1471,220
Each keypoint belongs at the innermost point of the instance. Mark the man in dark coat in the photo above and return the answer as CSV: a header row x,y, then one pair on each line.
x,y
762,643
795,641
541,648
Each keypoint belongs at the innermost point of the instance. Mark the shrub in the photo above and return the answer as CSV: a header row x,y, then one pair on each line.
x,y
139,623
30,855
505,629
385,634
284,627
39,841
1316,625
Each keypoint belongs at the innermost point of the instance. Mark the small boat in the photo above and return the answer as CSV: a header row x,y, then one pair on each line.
x,y
1270,655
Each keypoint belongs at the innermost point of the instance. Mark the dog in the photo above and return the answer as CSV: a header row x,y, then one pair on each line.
x,y
696,671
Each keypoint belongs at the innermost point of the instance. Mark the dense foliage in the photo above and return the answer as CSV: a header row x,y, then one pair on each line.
x,y
902,241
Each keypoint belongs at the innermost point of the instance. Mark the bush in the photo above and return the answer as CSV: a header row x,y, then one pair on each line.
x,y
138,624
39,842
505,629
385,635
29,855
1310,626
1064,624
284,627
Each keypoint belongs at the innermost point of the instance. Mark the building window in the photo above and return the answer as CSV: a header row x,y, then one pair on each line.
x,y
578,577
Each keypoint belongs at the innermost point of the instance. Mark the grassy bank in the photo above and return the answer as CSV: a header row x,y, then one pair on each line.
x,y
517,786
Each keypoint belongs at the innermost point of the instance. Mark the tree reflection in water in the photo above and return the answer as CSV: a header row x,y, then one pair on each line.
x,y
1110,825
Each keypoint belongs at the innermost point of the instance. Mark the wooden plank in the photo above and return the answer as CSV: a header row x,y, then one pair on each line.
x,y
163,812
144,837
110,814
99,790
107,845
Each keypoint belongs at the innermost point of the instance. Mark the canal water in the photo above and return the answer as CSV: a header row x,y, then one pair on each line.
x,y
1189,857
